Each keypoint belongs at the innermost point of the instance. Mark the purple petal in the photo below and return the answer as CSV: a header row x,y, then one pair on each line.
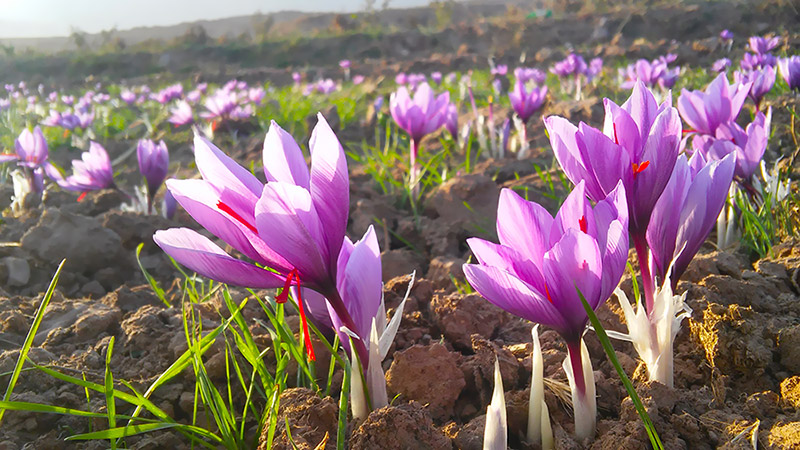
x,y
330,187
514,295
523,225
199,254
288,223
283,159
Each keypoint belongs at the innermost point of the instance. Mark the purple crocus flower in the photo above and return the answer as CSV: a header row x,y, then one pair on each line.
x,y
92,172
326,86
762,45
181,114
437,77
421,114
638,145
256,95
721,102
748,144
418,116
761,82
573,64
595,68
686,212
4,104
726,35
530,74
32,155
525,102
721,65
756,61
297,78
358,79
534,271
127,96
294,225
153,165
500,70
790,71
401,79
344,64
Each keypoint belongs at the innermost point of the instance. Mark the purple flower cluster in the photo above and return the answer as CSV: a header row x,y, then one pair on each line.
x,y
652,73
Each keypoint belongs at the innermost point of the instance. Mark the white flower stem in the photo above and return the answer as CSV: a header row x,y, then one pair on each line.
x,y
539,429
578,367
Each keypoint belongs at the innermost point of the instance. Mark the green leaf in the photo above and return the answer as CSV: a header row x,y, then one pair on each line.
x,y
612,356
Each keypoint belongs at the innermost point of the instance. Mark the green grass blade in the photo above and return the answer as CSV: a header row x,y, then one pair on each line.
x,y
150,280
26,346
612,356
111,408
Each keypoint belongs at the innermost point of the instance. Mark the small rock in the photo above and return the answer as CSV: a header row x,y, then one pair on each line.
x,y
85,244
429,375
784,436
790,391
19,271
399,427
310,417
460,316
762,404
93,289
97,319
789,347
399,262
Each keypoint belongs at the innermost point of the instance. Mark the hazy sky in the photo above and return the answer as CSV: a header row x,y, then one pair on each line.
x,y
41,18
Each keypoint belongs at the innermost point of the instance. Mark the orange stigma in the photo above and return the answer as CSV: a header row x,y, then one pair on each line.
x,y
639,168
547,292
294,275
224,207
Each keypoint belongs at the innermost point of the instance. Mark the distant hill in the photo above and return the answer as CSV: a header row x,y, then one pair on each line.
x,y
284,22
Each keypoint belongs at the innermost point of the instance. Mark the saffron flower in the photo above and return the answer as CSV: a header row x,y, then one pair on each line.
x,y
721,102
181,114
91,173
153,165
418,116
526,102
721,65
687,211
540,261
726,35
638,146
790,71
762,45
32,156
748,144
761,82
294,225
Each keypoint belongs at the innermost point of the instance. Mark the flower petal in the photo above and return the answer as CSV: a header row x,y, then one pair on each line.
x,y
288,223
330,187
283,159
508,292
199,254
523,225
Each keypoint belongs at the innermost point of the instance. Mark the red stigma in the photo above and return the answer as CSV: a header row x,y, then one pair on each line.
x,y
294,275
639,168
547,292
82,196
583,224
688,131
232,213
614,126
